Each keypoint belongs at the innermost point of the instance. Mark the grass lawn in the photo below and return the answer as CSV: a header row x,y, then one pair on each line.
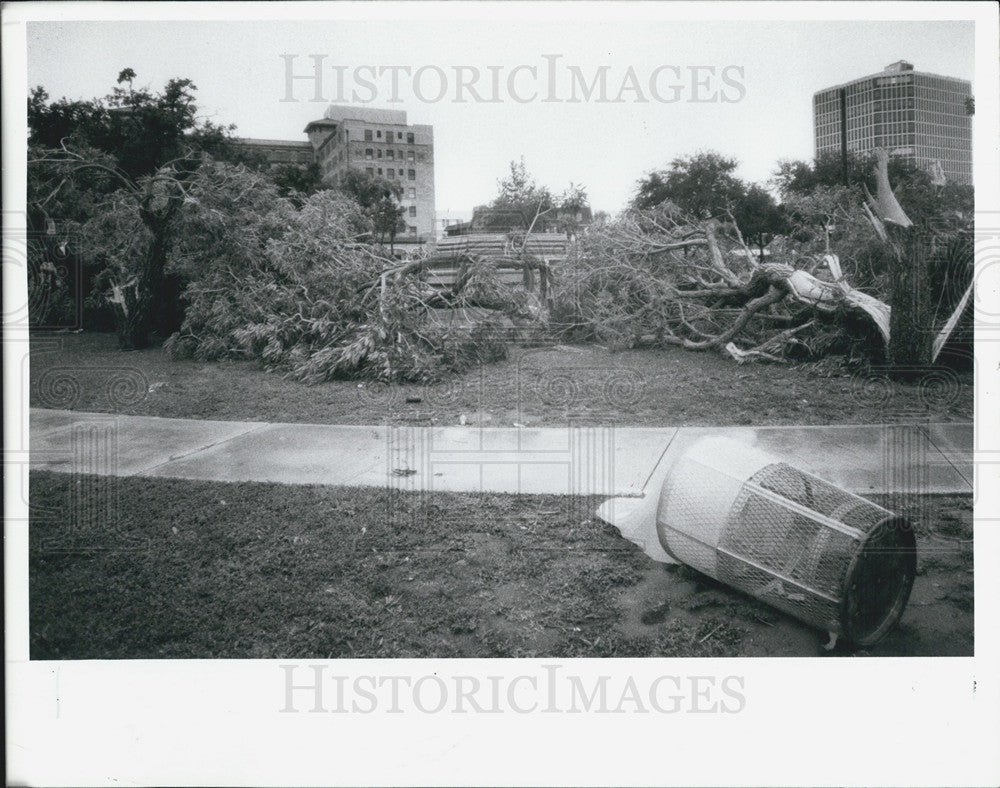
x,y
206,569
669,387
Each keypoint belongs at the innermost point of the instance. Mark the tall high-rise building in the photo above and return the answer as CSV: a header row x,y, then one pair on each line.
x,y
924,118
381,143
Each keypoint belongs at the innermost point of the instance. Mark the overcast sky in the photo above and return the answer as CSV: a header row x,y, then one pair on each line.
x,y
771,69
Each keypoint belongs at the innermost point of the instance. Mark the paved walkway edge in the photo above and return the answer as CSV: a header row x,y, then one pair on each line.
x,y
579,460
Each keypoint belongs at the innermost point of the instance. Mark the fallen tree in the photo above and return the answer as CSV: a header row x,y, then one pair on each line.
x,y
299,288
658,277
302,291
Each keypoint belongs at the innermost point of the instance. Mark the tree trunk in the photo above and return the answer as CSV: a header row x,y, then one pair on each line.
x,y
910,330
134,314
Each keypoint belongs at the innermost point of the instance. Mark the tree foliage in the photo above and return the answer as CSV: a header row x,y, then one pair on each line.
x,y
522,204
297,182
118,165
379,199
922,199
300,288
519,195
703,185
139,129
759,217
660,277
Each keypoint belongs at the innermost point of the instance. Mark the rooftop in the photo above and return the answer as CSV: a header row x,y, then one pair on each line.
x,y
897,67
342,112
322,122
273,143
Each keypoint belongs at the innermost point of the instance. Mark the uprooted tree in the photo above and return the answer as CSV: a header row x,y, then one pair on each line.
x,y
660,276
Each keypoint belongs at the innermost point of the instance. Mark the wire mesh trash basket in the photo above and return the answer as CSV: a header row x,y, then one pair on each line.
x,y
823,555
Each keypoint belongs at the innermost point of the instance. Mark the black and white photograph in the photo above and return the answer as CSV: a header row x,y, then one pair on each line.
x,y
439,380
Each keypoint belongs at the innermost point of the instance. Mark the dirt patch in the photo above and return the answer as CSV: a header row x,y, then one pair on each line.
x,y
534,386
938,620
215,570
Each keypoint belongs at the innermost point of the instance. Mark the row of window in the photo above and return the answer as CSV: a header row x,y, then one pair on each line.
x,y
899,81
390,154
901,120
950,104
388,136
392,174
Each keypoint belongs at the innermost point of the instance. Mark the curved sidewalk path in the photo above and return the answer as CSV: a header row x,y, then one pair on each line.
x,y
579,460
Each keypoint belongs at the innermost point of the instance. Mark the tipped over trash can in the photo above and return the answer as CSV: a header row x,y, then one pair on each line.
x,y
823,555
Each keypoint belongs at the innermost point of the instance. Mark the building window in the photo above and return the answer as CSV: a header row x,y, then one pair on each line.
x,y
411,174
399,135
413,194
378,134
413,210
368,135
409,138
379,170
369,154
413,230
392,173
390,154
410,157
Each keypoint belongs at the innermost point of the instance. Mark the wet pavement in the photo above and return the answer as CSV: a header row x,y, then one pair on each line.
x,y
577,460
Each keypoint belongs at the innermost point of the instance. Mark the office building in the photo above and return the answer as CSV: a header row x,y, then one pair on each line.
x,y
924,118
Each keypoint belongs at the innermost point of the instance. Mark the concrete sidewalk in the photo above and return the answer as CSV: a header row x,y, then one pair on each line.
x,y
581,460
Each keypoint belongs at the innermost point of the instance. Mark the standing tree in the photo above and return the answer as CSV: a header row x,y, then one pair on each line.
x,y
297,182
146,146
827,169
129,236
520,200
915,188
521,204
574,209
379,198
702,185
139,129
759,218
